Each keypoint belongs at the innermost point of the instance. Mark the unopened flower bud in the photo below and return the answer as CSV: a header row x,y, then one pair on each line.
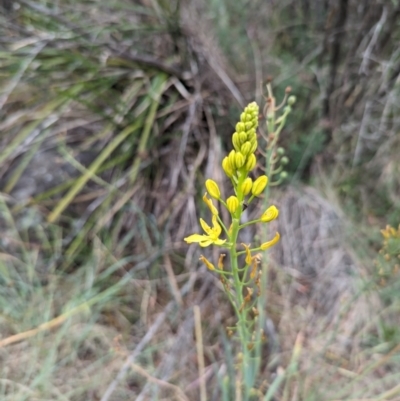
x,y
285,160
250,133
251,162
213,190
239,160
280,151
259,185
226,165
246,148
233,203
236,141
253,147
240,127
283,175
242,138
292,100
270,214
246,186
231,158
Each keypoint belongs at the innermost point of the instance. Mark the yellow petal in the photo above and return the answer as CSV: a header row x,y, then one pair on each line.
x,y
207,262
268,244
205,226
210,205
196,238
206,242
216,227
248,254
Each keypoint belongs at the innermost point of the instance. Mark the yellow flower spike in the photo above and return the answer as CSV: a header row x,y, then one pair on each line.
x,y
268,244
210,204
221,261
213,190
246,186
239,160
259,185
226,165
270,214
212,236
251,162
233,203
207,262
248,254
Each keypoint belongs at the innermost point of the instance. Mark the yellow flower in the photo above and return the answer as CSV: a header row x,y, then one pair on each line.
x,y
210,204
270,214
268,244
212,236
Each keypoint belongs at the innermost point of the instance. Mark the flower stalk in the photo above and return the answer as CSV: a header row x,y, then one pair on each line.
x,y
243,279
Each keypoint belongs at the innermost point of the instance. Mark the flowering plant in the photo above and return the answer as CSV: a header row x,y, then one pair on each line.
x,y
242,279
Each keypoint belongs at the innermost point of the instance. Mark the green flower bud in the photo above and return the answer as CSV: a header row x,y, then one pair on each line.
x,y
242,137
253,147
212,189
259,185
249,126
243,117
239,160
270,214
280,151
236,141
250,133
292,100
232,159
233,203
283,175
253,139
226,165
240,127
245,149
251,162
285,160
246,186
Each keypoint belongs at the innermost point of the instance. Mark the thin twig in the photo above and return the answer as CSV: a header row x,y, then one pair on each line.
x,y
200,352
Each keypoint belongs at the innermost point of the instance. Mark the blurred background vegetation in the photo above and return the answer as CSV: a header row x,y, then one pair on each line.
x,y
112,114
